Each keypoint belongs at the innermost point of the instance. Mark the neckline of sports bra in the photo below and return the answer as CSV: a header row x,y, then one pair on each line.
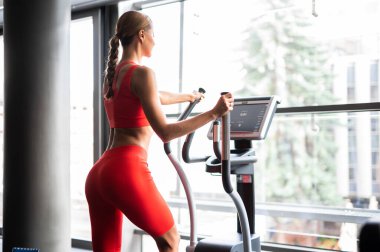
x,y
125,62
119,66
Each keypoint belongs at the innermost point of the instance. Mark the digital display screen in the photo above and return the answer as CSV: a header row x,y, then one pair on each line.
x,y
248,117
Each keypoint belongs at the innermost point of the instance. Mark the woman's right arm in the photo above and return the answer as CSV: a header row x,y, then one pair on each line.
x,y
168,98
144,86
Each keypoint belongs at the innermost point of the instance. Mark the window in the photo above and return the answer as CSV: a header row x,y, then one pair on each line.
x,y
81,121
374,125
375,158
309,160
351,83
375,142
374,80
374,72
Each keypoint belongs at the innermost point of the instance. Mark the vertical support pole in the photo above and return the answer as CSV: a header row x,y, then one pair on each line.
x,y
36,125
246,189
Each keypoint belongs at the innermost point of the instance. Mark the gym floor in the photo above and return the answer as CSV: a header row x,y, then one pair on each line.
x,y
72,249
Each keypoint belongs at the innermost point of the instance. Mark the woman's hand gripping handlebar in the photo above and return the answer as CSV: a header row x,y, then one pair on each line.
x,y
191,106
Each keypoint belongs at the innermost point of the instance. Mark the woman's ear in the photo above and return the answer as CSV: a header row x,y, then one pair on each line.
x,y
141,35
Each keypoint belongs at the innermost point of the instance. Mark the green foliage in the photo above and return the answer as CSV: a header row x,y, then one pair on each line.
x,y
282,60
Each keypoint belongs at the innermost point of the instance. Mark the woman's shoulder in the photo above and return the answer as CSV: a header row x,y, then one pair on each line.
x,y
143,80
143,73
143,70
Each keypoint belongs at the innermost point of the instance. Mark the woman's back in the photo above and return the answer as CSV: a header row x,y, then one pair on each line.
x,y
127,120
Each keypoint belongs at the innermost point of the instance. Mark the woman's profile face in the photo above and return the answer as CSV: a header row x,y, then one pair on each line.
x,y
148,42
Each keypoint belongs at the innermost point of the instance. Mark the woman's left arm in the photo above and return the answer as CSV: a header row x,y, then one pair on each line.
x,y
167,98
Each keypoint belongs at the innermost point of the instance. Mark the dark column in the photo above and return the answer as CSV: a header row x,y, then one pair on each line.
x,y
36,125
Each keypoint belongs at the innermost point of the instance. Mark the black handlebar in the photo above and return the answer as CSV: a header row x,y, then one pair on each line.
x,y
186,149
226,161
216,140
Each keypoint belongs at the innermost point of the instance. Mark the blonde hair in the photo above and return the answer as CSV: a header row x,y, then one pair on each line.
x,y
128,25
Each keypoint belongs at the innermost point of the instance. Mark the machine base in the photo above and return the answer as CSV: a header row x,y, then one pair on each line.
x,y
219,245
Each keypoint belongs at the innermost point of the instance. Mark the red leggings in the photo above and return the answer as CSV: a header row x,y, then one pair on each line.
x,y
121,183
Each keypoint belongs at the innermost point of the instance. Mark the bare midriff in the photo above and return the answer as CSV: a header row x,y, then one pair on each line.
x,y
131,136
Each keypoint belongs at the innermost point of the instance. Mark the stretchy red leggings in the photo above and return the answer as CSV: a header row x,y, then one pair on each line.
x,y
121,183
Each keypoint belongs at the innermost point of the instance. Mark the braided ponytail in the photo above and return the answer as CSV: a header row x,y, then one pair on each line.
x,y
111,64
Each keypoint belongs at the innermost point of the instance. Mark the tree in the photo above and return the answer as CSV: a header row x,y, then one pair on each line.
x,y
281,59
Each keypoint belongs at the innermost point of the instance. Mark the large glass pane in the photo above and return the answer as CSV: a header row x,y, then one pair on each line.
x,y
256,47
81,121
305,161
310,163
302,181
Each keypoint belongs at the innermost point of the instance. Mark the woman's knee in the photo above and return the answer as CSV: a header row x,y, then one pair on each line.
x,y
169,241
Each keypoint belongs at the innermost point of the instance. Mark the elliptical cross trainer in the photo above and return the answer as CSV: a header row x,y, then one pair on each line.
x,y
250,120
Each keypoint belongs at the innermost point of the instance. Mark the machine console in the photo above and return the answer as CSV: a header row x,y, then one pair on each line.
x,y
251,117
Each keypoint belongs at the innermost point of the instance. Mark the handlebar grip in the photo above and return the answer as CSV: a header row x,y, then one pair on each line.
x,y
201,90
191,106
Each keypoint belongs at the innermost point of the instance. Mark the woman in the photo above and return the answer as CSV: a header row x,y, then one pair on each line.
x,y
120,181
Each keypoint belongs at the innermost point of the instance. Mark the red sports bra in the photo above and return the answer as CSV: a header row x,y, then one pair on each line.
x,y
124,109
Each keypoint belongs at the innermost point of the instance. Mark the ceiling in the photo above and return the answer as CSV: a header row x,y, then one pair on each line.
x,y
75,5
